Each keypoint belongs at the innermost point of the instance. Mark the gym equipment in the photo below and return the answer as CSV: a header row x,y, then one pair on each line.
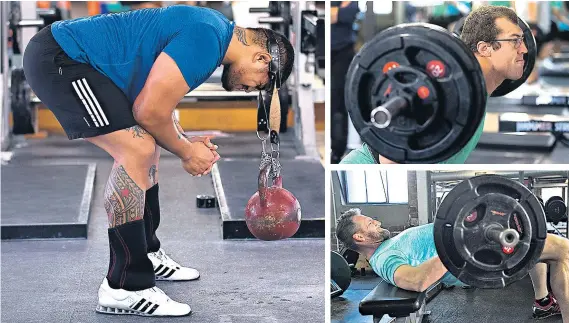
x,y
556,65
415,93
529,40
272,213
22,113
555,209
350,255
280,19
541,202
490,231
205,201
341,274
399,304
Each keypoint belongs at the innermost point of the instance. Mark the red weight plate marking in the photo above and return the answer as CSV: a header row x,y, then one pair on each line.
x,y
507,250
436,69
389,65
472,217
423,92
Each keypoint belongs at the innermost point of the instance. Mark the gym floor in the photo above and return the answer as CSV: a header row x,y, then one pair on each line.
x,y
241,281
511,304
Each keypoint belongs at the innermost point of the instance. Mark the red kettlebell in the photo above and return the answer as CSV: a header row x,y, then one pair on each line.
x,y
272,213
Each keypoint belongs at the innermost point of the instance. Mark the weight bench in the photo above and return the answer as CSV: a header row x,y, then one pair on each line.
x,y
398,304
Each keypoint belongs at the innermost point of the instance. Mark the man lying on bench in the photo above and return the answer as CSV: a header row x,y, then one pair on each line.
x,y
410,261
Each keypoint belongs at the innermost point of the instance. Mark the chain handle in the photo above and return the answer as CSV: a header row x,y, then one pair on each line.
x,y
271,158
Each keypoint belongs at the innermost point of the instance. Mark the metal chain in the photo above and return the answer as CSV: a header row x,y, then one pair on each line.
x,y
271,159
265,157
275,162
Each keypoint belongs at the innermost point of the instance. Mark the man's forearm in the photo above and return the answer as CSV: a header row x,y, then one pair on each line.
x,y
181,132
166,134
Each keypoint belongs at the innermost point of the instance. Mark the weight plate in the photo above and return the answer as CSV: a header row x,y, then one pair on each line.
x,y
555,209
205,201
461,235
441,77
340,271
510,85
350,255
540,201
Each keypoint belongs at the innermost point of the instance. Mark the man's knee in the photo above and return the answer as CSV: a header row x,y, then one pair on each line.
x,y
132,145
559,246
139,152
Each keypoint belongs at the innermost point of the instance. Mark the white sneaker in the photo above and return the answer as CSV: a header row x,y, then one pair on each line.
x,y
147,302
167,269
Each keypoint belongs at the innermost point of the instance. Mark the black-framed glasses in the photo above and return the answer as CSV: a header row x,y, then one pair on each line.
x,y
517,41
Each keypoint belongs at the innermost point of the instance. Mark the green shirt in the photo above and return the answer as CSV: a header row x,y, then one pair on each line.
x,y
363,155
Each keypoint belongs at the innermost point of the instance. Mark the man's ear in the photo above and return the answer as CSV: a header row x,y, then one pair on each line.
x,y
263,57
484,49
358,237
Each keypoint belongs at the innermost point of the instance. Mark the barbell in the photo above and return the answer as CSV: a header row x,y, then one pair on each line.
x,y
416,93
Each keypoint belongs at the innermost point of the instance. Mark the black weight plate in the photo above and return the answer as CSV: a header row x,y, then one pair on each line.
x,y
350,255
540,201
555,209
459,231
205,201
459,92
340,271
510,85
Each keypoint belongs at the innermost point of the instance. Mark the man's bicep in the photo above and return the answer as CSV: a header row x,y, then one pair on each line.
x,y
163,90
403,277
388,264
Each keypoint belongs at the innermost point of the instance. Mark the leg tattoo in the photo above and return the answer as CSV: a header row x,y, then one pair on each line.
x,y
124,200
152,174
137,131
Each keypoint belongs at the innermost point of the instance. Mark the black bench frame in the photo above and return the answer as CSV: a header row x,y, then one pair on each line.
x,y
398,304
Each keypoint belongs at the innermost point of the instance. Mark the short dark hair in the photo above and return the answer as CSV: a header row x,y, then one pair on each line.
x,y
286,49
346,228
480,25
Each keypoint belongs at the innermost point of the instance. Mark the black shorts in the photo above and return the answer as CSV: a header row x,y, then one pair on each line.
x,y
85,102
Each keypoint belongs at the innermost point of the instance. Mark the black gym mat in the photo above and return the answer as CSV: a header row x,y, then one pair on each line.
x,y
345,308
303,178
46,201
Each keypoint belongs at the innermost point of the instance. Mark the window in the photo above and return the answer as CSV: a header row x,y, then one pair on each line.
x,y
384,7
361,186
546,193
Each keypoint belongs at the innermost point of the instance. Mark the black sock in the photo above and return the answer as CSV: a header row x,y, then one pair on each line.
x,y
152,218
544,301
129,266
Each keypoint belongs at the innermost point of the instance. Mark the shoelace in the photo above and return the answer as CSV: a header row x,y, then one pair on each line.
x,y
160,254
154,294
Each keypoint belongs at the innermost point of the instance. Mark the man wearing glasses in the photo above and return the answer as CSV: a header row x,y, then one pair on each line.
x,y
493,35
497,41
115,80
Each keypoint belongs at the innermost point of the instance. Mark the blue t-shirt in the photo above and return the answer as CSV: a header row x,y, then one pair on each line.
x,y
124,46
411,247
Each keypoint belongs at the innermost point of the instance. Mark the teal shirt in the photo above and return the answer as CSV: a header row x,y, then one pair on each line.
x,y
363,155
411,247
